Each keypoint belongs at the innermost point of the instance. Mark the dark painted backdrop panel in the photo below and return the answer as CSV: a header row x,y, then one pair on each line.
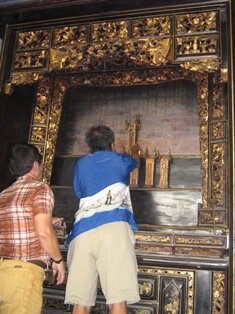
x,y
168,114
169,118
15,118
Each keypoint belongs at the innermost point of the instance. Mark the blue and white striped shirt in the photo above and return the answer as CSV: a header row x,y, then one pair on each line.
x,y
101,183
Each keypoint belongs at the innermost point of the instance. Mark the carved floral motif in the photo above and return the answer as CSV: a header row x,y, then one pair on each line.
x,y
219,285
218,174
196,22
33,39
124,44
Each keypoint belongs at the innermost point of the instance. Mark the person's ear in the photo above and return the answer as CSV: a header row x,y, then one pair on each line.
x,y
113,147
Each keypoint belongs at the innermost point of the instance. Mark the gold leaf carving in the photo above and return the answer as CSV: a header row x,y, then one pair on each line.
x,y
125,44
219,297
197,45
7,88
151,26
201,241
202,65
39,127
140,52
212,217
70,35
61,57
159,51
33,39
146,288
31,59
153,238
53,126
38,135
24,78
224,75
218,175
166,272
109,31
173,305
197,22
218,130
218,108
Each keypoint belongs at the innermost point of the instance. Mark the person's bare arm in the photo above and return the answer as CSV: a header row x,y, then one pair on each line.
x,y
48,240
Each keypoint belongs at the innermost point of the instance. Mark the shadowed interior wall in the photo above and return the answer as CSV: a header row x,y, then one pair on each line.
x,y
167,111
15,119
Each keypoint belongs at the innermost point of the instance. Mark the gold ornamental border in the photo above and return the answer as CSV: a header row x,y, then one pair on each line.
x,y
52,89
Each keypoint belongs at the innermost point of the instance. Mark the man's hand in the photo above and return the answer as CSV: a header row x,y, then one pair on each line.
x,y
57,221
59,272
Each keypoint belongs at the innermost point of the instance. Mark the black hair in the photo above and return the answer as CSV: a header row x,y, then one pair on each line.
x,y
100,137
22,157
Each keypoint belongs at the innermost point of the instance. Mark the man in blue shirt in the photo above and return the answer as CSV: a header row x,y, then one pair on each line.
x,y
101,243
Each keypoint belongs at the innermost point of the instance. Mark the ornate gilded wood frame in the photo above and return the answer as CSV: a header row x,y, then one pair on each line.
x,y
136,51
46,119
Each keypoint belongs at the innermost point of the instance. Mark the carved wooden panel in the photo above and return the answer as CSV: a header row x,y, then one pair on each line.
x,y
152,40
173,296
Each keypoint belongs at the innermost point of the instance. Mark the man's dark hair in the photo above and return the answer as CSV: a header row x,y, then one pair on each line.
x,y
100,137
22,157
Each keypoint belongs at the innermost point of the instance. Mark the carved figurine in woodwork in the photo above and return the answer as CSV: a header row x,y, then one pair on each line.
x,y
164,171
134,175
133,147
149,169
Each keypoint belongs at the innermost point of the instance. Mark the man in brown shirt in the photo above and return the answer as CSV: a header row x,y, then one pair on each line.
x,y
27,239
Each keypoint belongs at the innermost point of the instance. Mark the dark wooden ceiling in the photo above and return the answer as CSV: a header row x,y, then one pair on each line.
x,y
18,11
26,5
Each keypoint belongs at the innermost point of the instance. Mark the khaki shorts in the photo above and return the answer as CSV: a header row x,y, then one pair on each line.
x,y
106,252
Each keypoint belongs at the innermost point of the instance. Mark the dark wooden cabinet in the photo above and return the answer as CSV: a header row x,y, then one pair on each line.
x,y
167,284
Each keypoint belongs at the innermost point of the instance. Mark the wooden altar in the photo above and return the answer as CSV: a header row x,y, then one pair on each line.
x,y
170,67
